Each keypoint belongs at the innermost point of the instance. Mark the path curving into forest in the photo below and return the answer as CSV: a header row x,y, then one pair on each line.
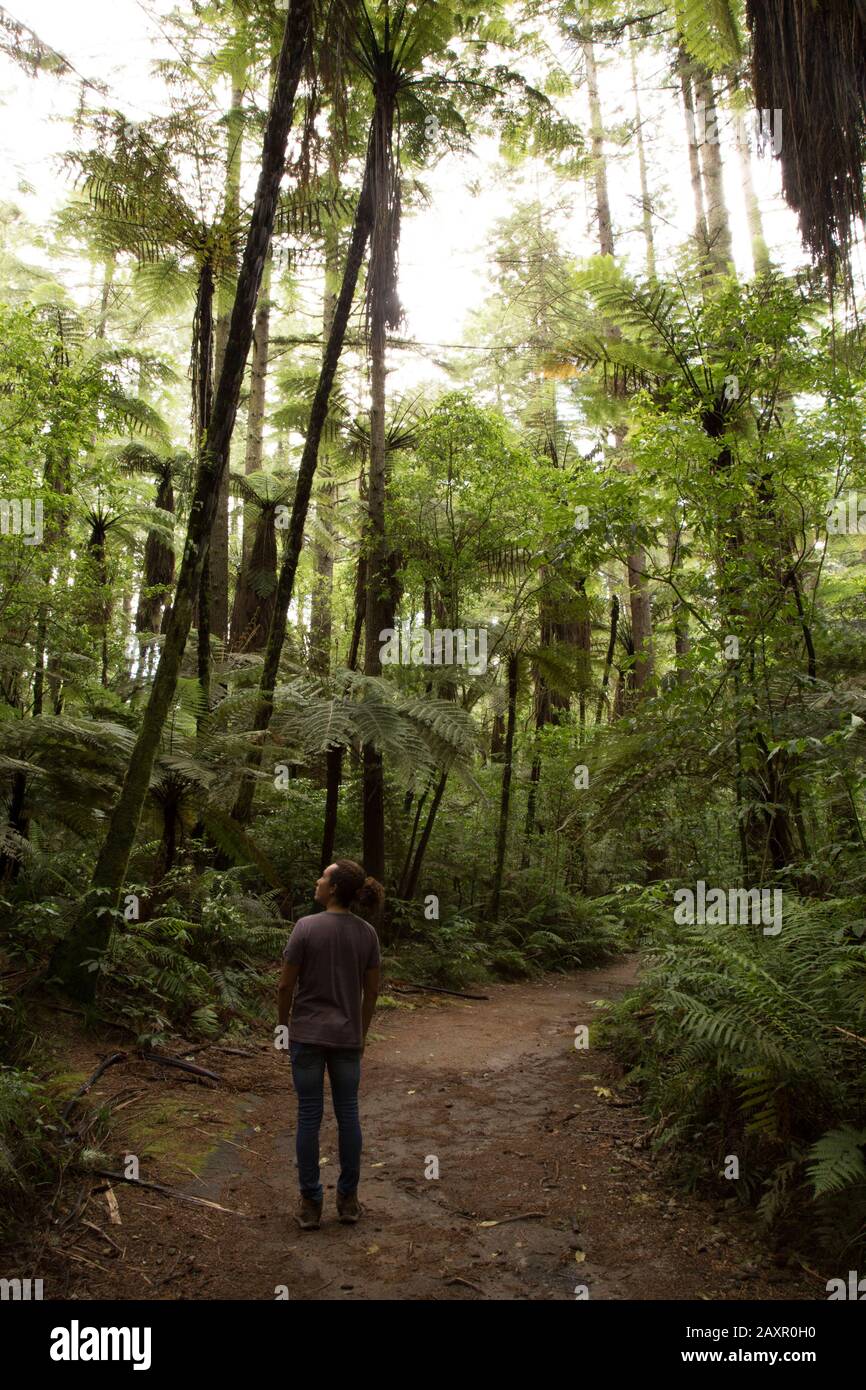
x,y
528,1132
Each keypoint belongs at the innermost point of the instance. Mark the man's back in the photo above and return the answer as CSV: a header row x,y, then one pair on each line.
x,y
332,950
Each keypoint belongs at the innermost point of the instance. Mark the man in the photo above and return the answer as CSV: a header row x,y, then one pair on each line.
x,y
331,965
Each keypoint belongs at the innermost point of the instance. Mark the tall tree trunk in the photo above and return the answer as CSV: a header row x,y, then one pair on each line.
x,y
608,660
411,885
602,197
718,226
638,585
692,133
383,312
245,605
682,641
323,557
91,934
760,253
641,618
203,408
378,608
218,589
334,759
157,576
258,392
505,790
105,297
253,608
303,487
645,200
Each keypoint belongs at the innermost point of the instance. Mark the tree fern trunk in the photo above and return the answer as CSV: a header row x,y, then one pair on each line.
x,y
303,487
415,872
505,790
203,408
219,547
378,615
323,559
258,394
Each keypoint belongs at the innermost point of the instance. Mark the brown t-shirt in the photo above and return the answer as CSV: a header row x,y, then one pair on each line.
x,y
333,950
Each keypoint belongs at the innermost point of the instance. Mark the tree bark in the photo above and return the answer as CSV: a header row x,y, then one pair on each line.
x,y
701,237
378,608
720,248
306,473
608,660
218,587
602,197
203,408
760,253
321,625
645,200
505,790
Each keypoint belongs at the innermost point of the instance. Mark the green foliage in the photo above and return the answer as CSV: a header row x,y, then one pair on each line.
x,y
30,1152
202,965
753,1046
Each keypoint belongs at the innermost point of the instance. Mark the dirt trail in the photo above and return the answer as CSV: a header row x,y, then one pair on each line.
x,y
522,1124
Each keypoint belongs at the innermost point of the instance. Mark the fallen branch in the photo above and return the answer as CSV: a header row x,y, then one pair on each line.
x,y
165,1191
433,989
92,1226
113,1207
70,1255
183,1066
83,1089
136,1095
524,1216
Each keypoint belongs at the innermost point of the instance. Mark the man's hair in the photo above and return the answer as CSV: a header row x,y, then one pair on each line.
x,y
355,889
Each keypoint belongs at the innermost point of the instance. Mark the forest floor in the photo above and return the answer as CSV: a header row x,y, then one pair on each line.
x,y
546,1179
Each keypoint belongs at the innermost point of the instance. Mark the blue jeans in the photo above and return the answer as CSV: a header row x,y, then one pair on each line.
x,y
308,1073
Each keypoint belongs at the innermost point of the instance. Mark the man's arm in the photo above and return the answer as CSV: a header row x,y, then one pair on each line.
x,y
288,980
369,997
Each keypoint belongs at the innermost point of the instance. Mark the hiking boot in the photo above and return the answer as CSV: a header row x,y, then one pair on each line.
x,y
348,1208
309,1215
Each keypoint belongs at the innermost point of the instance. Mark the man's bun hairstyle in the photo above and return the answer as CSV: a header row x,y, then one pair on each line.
x,y
355,889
